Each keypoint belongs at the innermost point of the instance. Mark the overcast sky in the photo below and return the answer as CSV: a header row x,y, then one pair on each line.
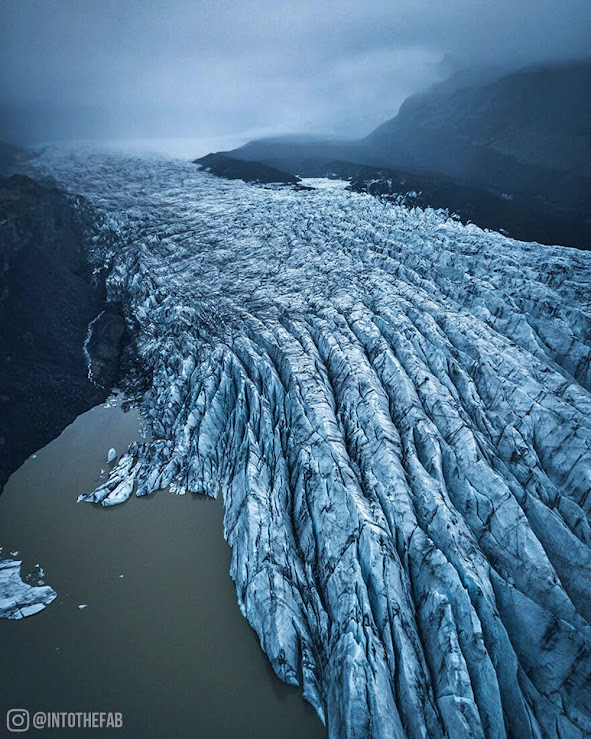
x,y
195,68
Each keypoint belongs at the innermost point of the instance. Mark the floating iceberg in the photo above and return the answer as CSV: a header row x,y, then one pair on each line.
x,y
17,598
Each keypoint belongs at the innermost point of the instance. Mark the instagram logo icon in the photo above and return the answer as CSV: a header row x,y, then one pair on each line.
x,y
17,719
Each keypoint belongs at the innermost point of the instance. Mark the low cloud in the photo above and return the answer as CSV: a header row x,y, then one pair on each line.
x,y
189,68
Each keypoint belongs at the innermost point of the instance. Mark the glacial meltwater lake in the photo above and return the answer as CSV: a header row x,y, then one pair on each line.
x,y
161,638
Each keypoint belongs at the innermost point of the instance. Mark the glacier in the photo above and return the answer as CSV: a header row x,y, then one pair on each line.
x,y
395,409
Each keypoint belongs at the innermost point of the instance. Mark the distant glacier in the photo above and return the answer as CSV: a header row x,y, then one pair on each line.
x,y
396,411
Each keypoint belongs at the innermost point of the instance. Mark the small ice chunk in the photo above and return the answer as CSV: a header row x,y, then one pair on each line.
x,y
112,455
32,609
82,605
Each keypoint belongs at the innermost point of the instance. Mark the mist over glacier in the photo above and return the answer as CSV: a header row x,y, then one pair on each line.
x,y
395,409
106,68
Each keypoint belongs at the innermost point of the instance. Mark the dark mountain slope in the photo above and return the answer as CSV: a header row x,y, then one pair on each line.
x,y
236,169
47,301
529,132
538,116
305,156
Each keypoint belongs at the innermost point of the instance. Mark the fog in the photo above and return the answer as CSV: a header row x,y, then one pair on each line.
x,y
180,68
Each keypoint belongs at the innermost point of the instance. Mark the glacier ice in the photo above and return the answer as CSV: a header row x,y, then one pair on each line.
x,y
396,411
18,599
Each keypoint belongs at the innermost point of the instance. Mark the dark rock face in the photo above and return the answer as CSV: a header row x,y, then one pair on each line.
x,y
234,169
106,338
47,301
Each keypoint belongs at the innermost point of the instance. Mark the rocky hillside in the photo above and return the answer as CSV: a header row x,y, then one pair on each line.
x,y
47,301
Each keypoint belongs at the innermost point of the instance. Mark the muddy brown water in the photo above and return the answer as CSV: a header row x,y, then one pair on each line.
x,y
165,644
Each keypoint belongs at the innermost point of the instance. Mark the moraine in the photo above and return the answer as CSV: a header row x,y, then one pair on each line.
x,y
395,409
